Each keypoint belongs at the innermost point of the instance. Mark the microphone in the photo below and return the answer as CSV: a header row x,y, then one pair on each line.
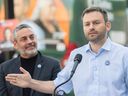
x,y
77,60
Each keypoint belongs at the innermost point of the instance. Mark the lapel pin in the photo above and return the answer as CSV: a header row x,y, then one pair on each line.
x,y
107,62
39,65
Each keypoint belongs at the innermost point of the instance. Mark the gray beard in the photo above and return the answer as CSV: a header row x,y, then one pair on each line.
x,y
30,53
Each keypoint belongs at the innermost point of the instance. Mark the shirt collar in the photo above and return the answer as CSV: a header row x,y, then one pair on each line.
x,y
106,46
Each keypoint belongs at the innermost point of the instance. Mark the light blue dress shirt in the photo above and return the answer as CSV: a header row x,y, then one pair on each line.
x,y
99,74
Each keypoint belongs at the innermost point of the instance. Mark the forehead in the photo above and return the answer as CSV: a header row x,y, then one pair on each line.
x,y
91,16
24,32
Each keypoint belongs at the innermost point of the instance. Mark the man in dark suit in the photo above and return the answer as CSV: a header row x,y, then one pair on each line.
x,y
40,67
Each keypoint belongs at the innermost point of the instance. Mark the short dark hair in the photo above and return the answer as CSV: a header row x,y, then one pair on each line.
x,y
19,27
98,9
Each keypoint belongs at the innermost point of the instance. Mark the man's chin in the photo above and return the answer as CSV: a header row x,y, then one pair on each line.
x,y
29,52
91,39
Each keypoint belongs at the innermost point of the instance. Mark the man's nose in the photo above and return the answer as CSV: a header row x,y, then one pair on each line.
x,y
29,40
91,26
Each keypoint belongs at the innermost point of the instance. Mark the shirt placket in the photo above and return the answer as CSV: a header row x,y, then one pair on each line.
x,y
96,77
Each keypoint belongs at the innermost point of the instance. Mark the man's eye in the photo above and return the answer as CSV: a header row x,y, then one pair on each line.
x,y
87,24
32,37
23,39
96,22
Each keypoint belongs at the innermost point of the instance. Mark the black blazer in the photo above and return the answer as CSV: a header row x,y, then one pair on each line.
x,y
46,68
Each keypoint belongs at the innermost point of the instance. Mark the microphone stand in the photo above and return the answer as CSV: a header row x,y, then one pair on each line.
x,y
77,60
61,91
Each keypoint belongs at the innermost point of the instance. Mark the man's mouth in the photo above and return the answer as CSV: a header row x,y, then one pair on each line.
x,y
30,47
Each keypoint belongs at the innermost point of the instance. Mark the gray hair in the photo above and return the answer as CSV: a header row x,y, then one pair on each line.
x,y
20,27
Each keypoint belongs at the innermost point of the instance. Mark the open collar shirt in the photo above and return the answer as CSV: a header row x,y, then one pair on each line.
x,y
98,74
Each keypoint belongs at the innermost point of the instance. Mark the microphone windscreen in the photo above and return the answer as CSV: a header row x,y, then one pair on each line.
x,y
78,58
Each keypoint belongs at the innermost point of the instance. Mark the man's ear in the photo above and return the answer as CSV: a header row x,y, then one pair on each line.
x,y
108,26
14,44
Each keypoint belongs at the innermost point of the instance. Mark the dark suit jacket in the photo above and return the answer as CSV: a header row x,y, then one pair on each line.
x,y
46,68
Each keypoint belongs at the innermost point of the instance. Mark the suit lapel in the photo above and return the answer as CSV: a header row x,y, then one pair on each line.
x,y
38,67
16,68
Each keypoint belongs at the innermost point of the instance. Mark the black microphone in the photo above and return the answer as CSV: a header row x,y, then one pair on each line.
x,y
77,60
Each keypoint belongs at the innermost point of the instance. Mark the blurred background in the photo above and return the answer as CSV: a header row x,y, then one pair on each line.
x,y
57,24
